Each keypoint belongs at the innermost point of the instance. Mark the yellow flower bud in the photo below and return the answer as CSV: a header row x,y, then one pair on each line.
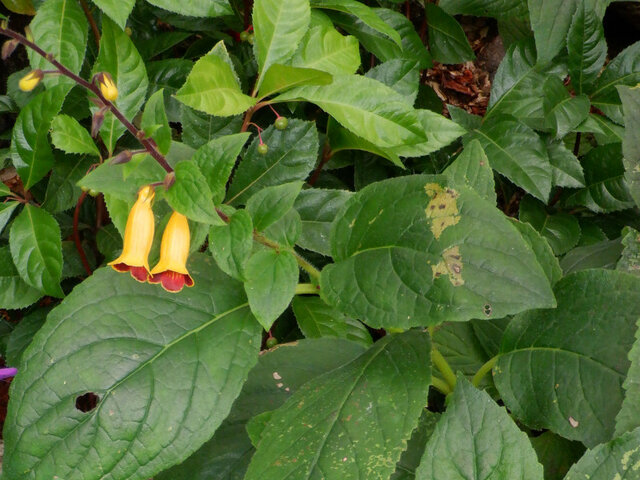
x,y
138,237
171,270
108,87
30,80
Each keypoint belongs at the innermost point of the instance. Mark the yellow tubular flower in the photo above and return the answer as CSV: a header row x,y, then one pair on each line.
x,y
138,237
30,80
108,88
171,270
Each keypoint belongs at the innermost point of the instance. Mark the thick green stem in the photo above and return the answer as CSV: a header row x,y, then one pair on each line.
x,y
483,370
440,385
307,289
442,365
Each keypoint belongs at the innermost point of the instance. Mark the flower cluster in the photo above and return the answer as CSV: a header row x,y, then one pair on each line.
x,y
171,271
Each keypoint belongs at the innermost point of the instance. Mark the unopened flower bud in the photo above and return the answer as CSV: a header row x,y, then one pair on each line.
x,y
8,47
169,180
123,157
107,86
30,80
4,24
28,33
96,122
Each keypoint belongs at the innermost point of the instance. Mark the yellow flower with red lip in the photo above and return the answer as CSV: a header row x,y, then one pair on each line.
x,y
138,237
171,270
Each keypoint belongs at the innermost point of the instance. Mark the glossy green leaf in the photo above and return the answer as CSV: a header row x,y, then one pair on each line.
x,y
71,137
401,74
587,48
282,77
439,130
291,156
476,439
36,249
170,75
542,249
631,140
155,117
271,203
279,373
60,28
550,22
117,10
271,282
604,254
14,292
617,459
447,41
416,250
62,190
22,335
324,48
486,8
205,340
316,319
556,454
471,168
365,106
6,211
317,209
190,195
118,56
606,187
567,170
286,230
231,244
348,438
32,155
279,26
563,112
604,130
560,377
561,230
196,8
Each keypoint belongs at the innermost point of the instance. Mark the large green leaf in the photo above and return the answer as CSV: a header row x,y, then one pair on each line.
x,y
324,48
603,254
14,292
60,28
292,154
561,230
365,106
486,8
231,244
204,340
279,373
32,155
542,249
567,170
117,10
631,141
550,22
617,459
71,137
417,250
284,77
272,203
587,48
567,376
471,168
361,415
279,26
196,8
447,41
190,194
199,128
475,439
119,57
36,249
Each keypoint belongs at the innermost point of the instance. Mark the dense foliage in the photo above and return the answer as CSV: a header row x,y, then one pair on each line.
x,y
249,240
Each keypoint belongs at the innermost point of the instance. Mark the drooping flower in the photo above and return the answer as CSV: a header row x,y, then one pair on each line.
x,y
138,237
171,270
7,373
30,80
108,87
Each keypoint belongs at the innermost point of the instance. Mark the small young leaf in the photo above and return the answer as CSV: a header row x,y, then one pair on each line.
x,y
117,10
447,41
71,137
154,115
190,195
231,244
550,21
271,203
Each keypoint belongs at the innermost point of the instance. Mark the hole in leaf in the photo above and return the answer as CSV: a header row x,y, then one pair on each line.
x,y
87,402
487,310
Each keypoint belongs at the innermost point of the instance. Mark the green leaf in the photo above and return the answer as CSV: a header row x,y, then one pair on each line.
x,y
563,112
4,190
447,41
622,70
14,292
69,136
278,374
286,230
32,155
117,10
401,74
119,57
550,22
630,260
62,192
190,195
401,263
628,417
542,249
606,187
205,341
556,454
518,153
212,87
603,129
476,439
324,48
631,141
109,242
278,26
60,28
559,377
317,209
561,230
587,48
617,459
567,170
196,8
361,413
22,335
410,459
231,244
271,282
6,211
316,319
366,107
36,249
283,77
486,8
471,168
271,203
199,128
604,254
440,132
170,75
364,13
154,116
292,155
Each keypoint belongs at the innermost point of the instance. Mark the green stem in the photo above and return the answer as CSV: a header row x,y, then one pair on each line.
x,y
313,272
442,365
307,289
483,370
440,385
